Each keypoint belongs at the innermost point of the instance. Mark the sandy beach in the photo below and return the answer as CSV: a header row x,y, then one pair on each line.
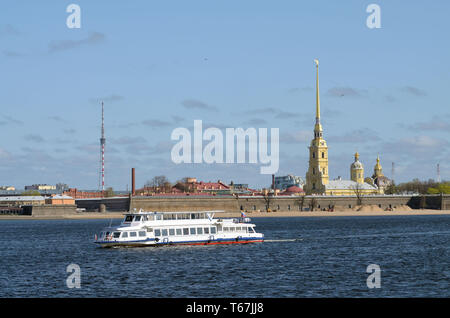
x,y
364,211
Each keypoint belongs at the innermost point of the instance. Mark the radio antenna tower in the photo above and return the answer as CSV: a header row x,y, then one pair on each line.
x,y
438,174
102,150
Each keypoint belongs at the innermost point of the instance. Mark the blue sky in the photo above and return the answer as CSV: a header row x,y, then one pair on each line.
x,y
159,65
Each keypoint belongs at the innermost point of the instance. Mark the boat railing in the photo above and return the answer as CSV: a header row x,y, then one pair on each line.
x,y
242,220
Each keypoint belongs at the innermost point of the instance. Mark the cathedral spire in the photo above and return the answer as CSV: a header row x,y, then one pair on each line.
x,y
317,93
318,126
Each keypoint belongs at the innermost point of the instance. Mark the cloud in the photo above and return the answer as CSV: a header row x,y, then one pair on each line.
x,y
255,122
346,92
330,113
155,123
57,118
196,104
417,146
437,123
126,140
356,136
300,89
10,120
413,91
12,54
177,119
297,137
390,99
34,138
264,110
69,131
4,155
286,115
10,30
62,45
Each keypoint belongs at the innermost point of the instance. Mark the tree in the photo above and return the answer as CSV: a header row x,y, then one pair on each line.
x,y
301,202
157,181
357,189
267,199
441,188
31,193
312,204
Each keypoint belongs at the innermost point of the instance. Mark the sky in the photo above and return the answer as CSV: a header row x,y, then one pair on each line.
x,y
160,65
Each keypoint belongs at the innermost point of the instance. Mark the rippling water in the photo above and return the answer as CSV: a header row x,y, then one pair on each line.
x,y
302,257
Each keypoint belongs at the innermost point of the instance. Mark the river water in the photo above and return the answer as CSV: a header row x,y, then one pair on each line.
x,y
302,257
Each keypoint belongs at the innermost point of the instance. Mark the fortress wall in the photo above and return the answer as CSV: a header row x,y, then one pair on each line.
x,y
228,204
50,210
278,203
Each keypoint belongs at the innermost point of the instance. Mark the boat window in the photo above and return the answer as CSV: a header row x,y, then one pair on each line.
x,y
192,230
157,232
150,217
226,229
250,230
193,216
142,233
128,218
158,217
238,228
132,234
171,231
164,232
124,234
137,218
149,229
206,230
199,230
185,231
116,234
144,218
179,231
232,229
213,230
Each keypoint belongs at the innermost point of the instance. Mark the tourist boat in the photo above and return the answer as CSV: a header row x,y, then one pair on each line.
x,y
181,228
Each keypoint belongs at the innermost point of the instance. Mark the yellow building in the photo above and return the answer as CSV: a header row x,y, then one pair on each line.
x,y
317,176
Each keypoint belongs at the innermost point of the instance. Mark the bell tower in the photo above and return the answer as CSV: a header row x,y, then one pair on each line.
x,y
317,175
357,170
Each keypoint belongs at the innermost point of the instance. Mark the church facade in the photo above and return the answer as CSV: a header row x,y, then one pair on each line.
x,y
317,176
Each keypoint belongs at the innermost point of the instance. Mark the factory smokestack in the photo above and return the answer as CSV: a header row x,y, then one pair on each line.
x,y
133,182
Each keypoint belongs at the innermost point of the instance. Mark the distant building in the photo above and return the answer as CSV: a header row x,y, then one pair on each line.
x,y
61,187
7,188
60,200
40,187
284,182
22,200
77,194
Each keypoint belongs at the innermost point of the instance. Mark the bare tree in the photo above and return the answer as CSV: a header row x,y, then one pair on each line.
x,y
301,202
267,200
312,204
357,189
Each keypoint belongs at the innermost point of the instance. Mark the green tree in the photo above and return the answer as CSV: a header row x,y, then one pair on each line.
x,y
31,193
443,188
